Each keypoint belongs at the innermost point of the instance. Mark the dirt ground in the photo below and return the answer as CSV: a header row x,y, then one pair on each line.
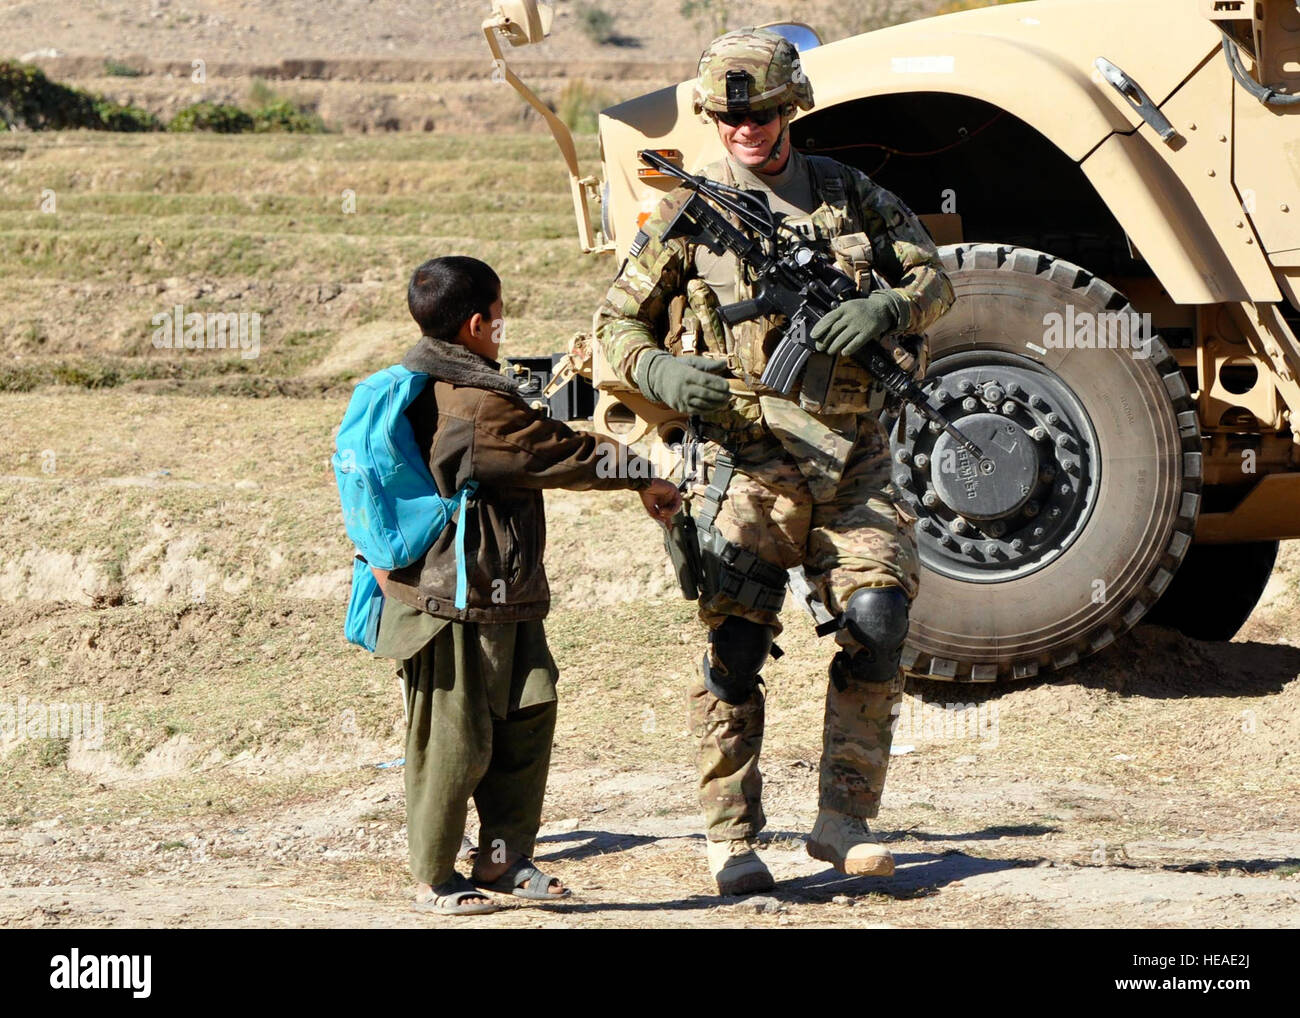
x,y
237,781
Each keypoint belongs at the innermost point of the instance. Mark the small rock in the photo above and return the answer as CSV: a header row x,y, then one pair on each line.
x,y
764,904
37,840
966,760
841,899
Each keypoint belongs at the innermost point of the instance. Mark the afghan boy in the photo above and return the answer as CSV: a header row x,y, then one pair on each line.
x,y
480,680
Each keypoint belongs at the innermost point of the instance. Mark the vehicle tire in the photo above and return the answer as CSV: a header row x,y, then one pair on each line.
x,y
1082,506
1215,589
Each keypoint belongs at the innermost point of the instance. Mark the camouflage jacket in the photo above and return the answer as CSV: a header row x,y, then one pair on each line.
x,y
658,300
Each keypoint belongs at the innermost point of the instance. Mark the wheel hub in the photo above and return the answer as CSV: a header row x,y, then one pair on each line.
x,y
995,486
1021,503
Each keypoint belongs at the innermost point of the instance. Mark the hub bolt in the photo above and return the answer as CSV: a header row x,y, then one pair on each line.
x,y
1031,509
1053,419
1039,532
997,528
903,456
993,393
1010,407
1038,403
922,461
959,526
1072,467
1039,434
992,550
1065,441
1014,389
965,386
967,547
1017,545
930,499
970,403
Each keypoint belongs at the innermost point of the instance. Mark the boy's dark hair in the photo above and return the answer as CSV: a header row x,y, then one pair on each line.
x,y
446,292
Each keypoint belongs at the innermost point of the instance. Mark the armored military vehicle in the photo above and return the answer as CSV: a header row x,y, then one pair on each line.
x,y
1115,189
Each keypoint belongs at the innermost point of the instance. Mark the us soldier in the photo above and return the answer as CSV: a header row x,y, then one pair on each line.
x,y
791,481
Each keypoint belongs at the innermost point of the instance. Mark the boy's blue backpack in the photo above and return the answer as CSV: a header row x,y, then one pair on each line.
x,y
391,507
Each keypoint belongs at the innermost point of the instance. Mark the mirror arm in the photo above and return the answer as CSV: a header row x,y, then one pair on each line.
x,y
559,131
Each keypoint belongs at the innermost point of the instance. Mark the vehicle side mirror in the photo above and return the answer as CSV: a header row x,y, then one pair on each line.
x,y
804,37
523,21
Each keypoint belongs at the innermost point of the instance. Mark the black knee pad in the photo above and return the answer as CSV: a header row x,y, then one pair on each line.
x,y
876,621
741,648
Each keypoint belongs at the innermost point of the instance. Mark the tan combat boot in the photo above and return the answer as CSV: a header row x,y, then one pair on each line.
x,y
847,844
737,868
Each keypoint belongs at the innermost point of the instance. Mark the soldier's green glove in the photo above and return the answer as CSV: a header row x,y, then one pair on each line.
x,y
688,384
855,323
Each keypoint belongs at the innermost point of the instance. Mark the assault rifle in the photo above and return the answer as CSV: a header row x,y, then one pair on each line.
x,y
791,278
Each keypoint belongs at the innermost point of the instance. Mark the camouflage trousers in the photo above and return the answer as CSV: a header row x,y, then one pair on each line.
x,y
842,523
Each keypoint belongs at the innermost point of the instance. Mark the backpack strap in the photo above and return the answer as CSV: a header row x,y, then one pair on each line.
x,y
462,578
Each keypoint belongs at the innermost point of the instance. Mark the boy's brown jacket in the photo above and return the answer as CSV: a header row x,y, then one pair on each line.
x,y
473,424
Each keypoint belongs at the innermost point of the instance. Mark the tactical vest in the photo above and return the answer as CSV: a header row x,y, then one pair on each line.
x,y
836,227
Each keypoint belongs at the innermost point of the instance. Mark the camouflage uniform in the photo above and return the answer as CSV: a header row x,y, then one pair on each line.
x,y
812,481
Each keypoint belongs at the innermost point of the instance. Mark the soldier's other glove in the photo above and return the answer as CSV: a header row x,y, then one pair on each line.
x,y
688,384
855,323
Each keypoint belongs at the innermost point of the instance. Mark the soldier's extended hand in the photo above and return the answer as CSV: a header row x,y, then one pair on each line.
x,y
855,323
690,384
661,500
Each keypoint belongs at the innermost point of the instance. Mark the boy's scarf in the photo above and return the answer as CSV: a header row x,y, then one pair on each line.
x,y
451,362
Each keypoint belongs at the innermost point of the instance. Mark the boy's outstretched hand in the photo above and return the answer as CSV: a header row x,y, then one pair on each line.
x,y
661,500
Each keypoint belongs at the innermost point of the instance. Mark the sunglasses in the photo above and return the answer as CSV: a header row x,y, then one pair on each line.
x,y
759,117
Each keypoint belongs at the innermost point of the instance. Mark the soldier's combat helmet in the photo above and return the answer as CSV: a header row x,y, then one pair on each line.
x,y
750,69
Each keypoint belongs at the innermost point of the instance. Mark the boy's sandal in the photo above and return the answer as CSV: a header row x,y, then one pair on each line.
x,y
455,897
524,880
468,850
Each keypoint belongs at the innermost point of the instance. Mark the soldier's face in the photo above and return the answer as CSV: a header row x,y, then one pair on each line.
x,y
750,143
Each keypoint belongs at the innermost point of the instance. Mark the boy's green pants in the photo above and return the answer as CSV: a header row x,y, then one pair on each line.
x,y
481,717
